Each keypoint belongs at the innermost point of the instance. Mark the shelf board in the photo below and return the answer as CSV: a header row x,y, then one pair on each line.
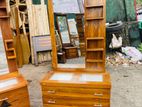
x,y
3,17
99,18
92,60
10,49
11,57
2,7
98,49
95,38
96,6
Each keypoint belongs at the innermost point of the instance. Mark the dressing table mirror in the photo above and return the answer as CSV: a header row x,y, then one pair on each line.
x,y
13,86
72,83
69,55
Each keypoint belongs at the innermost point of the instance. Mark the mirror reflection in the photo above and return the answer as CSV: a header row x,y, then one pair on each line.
x,y
3,60
70,39
63,28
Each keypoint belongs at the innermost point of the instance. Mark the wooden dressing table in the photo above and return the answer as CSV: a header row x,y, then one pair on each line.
x,y
85,86
13,86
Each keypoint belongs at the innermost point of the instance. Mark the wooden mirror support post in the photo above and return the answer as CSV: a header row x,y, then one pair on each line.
x,y
13,87
80,87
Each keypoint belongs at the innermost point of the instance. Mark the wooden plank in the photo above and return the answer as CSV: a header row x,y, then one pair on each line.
x,y
38,22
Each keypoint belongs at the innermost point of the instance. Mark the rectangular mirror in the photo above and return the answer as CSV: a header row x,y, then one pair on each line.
x,y
3,60
69,41
8,82
63,29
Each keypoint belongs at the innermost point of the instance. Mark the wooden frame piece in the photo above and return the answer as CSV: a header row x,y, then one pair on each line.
x,y
52,33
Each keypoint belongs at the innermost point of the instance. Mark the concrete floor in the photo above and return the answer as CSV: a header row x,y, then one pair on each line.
x,y
126,84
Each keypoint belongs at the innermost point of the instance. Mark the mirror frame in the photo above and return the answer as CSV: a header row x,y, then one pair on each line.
x,y
53,39
63,15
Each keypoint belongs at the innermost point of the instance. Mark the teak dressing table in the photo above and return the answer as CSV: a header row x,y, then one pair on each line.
x,y
80,85
13,86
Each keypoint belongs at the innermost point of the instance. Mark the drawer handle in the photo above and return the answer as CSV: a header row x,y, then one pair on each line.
x,y
96,94
51,92
3,99
98,105
51,101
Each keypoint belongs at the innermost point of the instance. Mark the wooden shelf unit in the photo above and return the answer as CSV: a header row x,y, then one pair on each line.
x,y
95,34
7,37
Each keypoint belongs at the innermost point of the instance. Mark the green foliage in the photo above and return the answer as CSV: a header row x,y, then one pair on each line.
x,y
140,47
139,1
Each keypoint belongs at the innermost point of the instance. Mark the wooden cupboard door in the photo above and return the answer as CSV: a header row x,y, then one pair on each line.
x,y
80,93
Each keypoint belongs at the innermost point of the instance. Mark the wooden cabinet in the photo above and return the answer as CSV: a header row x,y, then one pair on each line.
x,y
76,89
13,90
71,52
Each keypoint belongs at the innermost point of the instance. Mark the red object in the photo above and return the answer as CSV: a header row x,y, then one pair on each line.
x,y
135,3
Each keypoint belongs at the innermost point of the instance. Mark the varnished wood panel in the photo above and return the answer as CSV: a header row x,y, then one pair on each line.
x,y
80,103
7,35
95,34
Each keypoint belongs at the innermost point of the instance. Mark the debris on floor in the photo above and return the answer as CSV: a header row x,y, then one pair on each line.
x,y
129,55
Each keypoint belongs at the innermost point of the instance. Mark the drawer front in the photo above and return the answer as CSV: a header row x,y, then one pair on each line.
x,y
15,97
52,105
73,50
72,55
77,93
77,103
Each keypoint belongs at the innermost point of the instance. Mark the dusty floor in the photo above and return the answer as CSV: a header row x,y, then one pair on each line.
x,y
126,84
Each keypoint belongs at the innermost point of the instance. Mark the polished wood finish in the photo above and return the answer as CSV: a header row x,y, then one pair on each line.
x,y
52,33
14,94
7,37
95,34
75,92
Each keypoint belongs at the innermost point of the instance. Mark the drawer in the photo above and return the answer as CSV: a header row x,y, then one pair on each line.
x,y
15,97
52,105
71,55
77,103
73,50
76,93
